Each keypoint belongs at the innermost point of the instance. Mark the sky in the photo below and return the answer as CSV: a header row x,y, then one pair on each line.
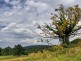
x,y
19,19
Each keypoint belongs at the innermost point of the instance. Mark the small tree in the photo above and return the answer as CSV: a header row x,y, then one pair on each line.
x,y
7,51
64,24
18,50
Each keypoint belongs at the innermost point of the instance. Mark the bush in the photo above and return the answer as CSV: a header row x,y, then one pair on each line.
x,y
7,51
18,50
75,43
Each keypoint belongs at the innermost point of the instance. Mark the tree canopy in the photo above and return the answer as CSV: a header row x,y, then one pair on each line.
x,y
18,50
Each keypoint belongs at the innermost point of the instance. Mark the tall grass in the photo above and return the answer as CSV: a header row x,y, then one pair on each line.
x,y
66,54
59,53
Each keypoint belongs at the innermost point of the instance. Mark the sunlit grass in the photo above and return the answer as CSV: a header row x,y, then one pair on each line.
x,y
6,57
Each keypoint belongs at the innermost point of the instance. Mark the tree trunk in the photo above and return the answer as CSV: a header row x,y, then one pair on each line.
x,y
64,41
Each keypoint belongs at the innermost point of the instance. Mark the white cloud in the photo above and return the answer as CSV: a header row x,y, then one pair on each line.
x,y
9,27
27,40
19,28
27,8
28,13
40,6
79,23
75,37
34,22
30,41
15,2
7,1
38,31
8,13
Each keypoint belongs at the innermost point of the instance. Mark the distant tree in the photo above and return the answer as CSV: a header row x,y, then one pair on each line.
x,y
64,24
18,50
7,51
0,51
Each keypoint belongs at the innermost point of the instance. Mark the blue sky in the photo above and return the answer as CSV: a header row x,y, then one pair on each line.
x,y
19,19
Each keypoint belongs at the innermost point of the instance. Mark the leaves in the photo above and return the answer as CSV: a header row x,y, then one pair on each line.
x,y
66,19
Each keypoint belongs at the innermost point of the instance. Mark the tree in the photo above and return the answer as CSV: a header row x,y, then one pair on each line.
x,y
64,24
7,51
18,50
0,51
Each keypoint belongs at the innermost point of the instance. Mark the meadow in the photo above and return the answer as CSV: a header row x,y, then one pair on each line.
x,y
54,53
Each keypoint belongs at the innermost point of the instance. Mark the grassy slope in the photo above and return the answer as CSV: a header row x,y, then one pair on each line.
x,y
56,53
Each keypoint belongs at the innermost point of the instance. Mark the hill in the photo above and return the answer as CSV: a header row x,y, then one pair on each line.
x,y
36,48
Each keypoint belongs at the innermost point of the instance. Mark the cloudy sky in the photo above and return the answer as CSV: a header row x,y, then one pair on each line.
x,y
19,19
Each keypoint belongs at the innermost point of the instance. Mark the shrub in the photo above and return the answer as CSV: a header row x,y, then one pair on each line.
x,y
18,50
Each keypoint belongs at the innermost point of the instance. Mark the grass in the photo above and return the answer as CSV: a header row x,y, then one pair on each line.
x,y
6,57
12,58
55,53
72,54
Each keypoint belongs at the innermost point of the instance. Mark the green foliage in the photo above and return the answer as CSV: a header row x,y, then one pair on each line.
x,y
76,41
18,50
0,51
7,51
36,48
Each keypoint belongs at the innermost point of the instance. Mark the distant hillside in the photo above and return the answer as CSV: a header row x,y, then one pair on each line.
x,y
36,48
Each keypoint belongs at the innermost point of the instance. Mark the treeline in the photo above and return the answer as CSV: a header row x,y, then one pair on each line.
x,y
36,48
18,50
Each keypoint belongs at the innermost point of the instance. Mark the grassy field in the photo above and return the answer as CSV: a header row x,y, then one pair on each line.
x,y
73,54
55,53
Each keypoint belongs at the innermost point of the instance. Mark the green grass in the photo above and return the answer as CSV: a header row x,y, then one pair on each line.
x,y
6,57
